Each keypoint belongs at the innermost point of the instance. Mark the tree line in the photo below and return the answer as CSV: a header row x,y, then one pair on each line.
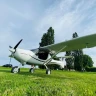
x,y
80,60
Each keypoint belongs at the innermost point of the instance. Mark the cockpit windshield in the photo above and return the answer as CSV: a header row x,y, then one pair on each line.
x,y
35,50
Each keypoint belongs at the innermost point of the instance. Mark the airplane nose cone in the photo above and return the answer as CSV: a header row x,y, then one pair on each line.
x,y
12,50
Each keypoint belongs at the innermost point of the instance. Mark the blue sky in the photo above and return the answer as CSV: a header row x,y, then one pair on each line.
x,y
29,19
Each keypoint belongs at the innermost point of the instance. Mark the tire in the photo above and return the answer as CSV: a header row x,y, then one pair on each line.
x,y
15,69
48,71
31,70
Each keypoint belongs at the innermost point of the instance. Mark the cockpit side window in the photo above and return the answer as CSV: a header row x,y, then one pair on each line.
x,y
43,55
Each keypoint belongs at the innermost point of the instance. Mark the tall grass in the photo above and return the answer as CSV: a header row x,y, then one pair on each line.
x,y
59,83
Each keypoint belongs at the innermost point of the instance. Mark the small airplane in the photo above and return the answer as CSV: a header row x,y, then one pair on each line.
x,y
43,55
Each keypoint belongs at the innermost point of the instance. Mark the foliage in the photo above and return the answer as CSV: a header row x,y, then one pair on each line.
x,y
87,61
69,61
47,38
59,83
91,69
78,65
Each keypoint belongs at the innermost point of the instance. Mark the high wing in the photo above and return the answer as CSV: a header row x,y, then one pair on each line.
x,y
73,44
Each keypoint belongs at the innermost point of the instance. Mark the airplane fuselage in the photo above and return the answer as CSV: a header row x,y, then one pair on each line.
x,y
30,58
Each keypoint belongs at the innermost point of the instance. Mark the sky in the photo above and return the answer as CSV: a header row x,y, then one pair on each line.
x,y
30,19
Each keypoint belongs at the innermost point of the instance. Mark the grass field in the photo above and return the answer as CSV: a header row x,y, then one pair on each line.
x,y
59,83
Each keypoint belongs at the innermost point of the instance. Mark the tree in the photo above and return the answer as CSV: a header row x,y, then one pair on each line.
x,y
78,55
69,61
87,61
43,40
77,61
81,61
47,39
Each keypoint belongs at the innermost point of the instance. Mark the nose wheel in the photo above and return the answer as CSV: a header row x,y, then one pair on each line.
x,y
15,69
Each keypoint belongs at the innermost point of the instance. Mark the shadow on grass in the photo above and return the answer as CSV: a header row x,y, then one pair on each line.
x,y
43,75
40,73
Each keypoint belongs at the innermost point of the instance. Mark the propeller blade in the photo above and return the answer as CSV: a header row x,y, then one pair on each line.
x,y
18,44
10,47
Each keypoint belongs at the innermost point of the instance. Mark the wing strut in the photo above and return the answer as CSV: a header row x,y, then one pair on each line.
x,y
50,59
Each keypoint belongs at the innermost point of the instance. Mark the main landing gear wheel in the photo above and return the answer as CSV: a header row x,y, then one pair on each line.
x,y
48,71
31,70
15,69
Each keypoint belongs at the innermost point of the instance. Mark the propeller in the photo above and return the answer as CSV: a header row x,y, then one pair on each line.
x,y
13,50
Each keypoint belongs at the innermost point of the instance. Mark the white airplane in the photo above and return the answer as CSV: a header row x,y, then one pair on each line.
x,y
42,55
